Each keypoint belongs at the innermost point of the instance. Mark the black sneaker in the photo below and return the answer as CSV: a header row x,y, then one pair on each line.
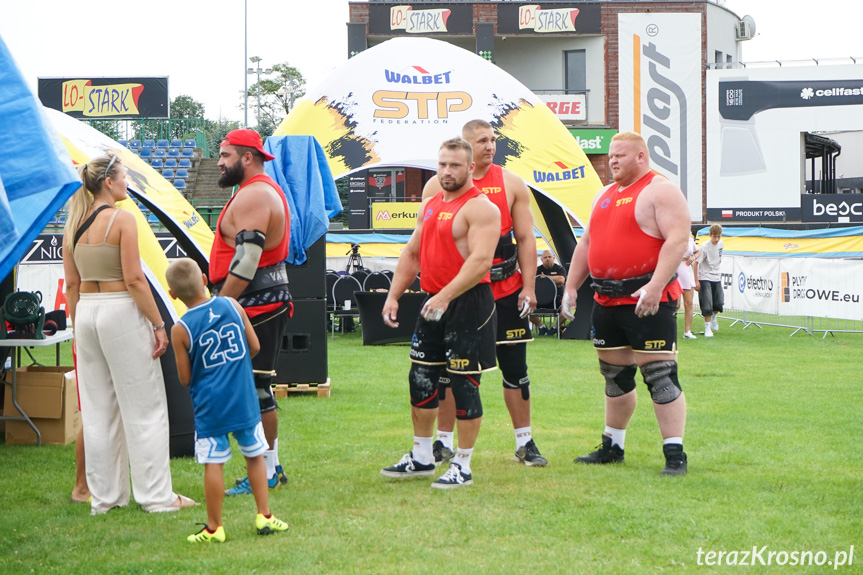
x,y
408,467
675,459
453,478
442,453
529,455
607,453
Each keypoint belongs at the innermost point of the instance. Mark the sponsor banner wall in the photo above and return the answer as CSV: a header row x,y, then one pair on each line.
x,y
821,288
394,215
754,284
659,62
568,107
593,141
110,98
756,120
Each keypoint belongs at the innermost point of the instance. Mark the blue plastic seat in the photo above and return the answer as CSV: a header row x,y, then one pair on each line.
x,y
171,163
185,163
159,153
173,152
168,174
181,173
123,143
149,144
135,144
190,144
156,163
176,143
180,184
188,153
162,143
146,152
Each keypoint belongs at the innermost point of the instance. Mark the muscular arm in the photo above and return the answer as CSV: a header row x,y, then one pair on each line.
x,y
578,268
406,271
522,230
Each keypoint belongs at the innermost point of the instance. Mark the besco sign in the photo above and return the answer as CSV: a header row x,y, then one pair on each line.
x,y
840,208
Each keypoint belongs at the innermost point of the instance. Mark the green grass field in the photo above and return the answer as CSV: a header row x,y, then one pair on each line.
x,y
774,460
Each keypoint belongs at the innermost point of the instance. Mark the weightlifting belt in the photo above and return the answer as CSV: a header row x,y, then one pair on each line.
x,y
622,288
507,251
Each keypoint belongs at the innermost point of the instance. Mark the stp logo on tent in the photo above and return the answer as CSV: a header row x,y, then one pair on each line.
x,y
558,172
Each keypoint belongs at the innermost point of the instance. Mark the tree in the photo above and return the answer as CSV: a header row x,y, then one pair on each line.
x,y
185,107
216,133
277,96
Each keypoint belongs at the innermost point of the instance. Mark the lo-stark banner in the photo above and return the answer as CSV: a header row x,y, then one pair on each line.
x,y
815,287
659,62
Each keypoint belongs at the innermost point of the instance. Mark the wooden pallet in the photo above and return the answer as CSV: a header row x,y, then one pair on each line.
x,y
281,390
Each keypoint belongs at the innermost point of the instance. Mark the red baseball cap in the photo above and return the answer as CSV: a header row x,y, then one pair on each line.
x,y
247,137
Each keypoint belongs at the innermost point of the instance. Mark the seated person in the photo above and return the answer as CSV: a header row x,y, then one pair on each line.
x,y
557,273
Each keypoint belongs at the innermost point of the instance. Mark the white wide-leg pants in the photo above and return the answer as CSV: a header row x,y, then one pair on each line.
x,y
123,404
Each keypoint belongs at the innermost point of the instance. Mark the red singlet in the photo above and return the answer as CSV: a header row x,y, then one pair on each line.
x,y
492,185
440,260
221,254
619,249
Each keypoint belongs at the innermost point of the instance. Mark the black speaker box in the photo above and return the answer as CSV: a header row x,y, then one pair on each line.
x,y
303,352
308,280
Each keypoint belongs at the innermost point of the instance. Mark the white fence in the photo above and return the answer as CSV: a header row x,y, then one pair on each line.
x,y
805,294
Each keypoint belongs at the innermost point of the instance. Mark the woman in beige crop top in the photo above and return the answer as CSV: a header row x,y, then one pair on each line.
x,y
119,336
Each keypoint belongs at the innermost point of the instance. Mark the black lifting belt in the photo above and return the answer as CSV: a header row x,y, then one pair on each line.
x,y
265,279
507,251
622,288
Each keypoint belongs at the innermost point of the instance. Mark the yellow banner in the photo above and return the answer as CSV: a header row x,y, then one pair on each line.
x,y
395,215
101,101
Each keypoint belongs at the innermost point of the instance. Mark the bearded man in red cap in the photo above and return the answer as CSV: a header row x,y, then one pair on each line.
x,y
247,263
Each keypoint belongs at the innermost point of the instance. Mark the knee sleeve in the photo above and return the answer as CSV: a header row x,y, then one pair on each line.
x,y
264,387
661,379
512,360
619,379
465,391
423,380
443,383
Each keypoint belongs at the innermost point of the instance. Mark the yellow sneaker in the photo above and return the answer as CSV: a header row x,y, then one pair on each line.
x,y
204,535
266,526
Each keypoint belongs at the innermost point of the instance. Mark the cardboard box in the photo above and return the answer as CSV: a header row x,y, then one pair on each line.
x,y
49,397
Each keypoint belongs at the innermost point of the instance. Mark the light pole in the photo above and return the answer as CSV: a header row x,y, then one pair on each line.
x,y
257,61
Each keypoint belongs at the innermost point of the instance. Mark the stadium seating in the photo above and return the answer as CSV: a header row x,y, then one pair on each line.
x,y
173,152
156,163
162,143
134,144
123,143
176,143
171,163
146,152
188,153
184,163
182,173
190,144
159,153
149,144
180,184
168,174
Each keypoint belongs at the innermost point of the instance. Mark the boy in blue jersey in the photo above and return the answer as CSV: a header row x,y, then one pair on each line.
x,y
214,343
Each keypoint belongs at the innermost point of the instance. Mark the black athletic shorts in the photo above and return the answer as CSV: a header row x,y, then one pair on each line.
x,y
463,339
617,326
510,327
711,298
270,328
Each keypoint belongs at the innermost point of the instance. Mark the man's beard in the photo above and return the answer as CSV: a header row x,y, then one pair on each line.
x,y
452,185
233,176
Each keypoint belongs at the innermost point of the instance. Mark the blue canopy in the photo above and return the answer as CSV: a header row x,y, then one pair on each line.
x,y
36,172
302,171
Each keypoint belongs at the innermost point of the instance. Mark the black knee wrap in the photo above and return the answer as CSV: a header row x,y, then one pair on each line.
x,y
443,383
619,379
465,391
264,387
512,361
423,380
661,379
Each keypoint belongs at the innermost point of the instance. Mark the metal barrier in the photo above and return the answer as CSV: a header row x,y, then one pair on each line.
x,y
805,323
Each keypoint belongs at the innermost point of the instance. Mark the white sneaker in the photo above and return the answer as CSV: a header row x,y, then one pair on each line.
x,y
707,331
688,335
714,323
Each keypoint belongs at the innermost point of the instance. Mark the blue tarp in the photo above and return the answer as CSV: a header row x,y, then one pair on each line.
x,y
301,169
36,173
